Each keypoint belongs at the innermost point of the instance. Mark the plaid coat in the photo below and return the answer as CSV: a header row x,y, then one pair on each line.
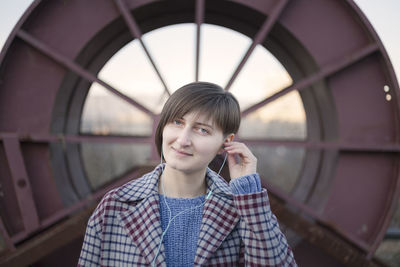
x,y
236,230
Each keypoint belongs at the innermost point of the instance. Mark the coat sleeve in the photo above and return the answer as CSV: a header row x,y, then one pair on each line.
x,y
263,242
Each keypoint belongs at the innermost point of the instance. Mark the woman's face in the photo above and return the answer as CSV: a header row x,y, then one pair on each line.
x,y
190,143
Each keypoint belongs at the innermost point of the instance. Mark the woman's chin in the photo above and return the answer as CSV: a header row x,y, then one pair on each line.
x,y
183,168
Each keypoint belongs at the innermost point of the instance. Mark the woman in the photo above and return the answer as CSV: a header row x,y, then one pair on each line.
x,y
183,213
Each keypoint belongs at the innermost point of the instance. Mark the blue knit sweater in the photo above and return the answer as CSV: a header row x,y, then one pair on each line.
x,y
180,241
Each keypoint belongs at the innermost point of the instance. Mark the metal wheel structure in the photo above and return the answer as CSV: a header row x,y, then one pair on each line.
x,y
344,194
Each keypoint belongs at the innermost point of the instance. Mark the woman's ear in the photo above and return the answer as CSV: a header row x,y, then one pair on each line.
x,y
228,138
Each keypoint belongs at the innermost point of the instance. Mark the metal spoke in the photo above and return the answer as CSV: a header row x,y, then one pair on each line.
x,y
134,172
199,21
49,240
279,195
136,33
21,184
114,139
327,145
48,138
69,64
346,248
107,139
260,36
322,74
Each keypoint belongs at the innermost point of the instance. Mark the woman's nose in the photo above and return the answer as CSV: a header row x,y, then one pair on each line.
x,y
184,137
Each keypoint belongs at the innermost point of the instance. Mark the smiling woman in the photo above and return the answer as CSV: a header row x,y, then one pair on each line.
x,y
196,122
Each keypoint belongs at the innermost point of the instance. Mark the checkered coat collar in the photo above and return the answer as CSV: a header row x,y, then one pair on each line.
x,y
147,185
143,223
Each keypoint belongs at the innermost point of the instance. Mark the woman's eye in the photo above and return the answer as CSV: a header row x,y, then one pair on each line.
x,y
177,122
204,131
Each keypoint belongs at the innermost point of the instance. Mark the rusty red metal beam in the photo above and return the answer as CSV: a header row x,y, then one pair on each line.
x,y
199,20
324,72
305,210
154,152
390,70
65,231
48,241
328,145
93,198
322,236
69,64
49,138
22,186
391,207
17,26
260,36
136,33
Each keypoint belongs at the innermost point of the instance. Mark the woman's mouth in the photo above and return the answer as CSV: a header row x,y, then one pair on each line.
x,y
180,152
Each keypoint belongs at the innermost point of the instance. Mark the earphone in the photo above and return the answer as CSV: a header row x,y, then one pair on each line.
x,y
182,212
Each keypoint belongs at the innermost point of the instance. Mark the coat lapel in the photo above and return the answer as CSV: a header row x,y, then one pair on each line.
x,y
219,219
142,221
143,224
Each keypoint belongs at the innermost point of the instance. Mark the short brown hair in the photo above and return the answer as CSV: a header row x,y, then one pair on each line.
x,y
203,97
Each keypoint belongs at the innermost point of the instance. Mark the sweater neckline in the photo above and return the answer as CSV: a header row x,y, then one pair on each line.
x,y
184,199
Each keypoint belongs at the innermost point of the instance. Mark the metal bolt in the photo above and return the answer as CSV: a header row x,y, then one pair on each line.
x,y
386,88
21,183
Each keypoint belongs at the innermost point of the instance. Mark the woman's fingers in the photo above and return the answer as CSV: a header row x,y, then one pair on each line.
x,y
241,149
241,160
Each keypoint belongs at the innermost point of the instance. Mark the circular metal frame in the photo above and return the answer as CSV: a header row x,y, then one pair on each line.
x,y
353,130
317,100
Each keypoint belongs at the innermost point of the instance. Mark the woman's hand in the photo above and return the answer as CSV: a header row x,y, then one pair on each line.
x,y
241,161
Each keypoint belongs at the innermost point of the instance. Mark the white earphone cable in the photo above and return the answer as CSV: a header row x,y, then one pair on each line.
x,y
179,213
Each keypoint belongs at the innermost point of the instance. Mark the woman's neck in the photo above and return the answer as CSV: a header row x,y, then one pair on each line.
x,y
182,185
